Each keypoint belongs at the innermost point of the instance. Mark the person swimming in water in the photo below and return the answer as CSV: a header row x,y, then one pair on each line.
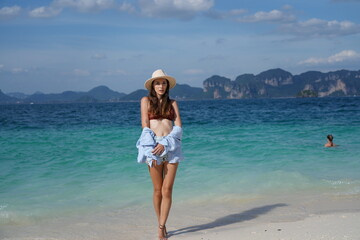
x,y
330,142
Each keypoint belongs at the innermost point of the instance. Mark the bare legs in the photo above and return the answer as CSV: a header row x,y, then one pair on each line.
x,y
163,177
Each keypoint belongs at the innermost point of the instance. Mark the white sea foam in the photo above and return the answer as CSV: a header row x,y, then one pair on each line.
x,y
2,207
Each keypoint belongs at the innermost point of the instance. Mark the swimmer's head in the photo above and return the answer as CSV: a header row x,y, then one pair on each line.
x,y
330,137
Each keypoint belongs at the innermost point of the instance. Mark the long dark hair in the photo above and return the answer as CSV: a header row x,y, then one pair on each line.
x,y
159,106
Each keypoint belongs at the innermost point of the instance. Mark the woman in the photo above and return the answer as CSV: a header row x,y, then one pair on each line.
x,y
160,142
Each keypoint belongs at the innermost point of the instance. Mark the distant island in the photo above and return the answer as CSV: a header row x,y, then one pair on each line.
x,y
273,83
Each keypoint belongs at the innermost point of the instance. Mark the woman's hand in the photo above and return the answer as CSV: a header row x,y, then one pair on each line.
x,y
158,150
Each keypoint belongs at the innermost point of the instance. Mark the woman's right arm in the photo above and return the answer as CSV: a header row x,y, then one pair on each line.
x,y
145,122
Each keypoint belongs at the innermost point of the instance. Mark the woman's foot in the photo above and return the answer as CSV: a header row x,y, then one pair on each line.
x,y
162,232
166,233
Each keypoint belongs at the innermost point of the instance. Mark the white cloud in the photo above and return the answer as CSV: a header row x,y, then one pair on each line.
x,y
321,28
343,55
85,5
225,14
272,16
288,23
235,12
18,70
115,72
10,11
56,7
99,56
193,71
346,55
127,7
81,72
44,12
183,9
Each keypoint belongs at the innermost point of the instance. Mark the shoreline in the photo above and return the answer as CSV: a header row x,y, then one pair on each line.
x,y
298,217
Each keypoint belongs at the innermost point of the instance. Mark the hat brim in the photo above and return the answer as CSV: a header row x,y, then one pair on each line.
x,y
172,81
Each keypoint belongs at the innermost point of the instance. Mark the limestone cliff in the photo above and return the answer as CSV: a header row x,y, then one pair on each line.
x,y
280,83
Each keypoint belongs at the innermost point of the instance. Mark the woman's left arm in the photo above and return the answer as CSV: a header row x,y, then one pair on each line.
x,y
177,120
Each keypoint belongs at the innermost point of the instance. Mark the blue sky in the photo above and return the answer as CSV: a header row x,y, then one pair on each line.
x,y
58,45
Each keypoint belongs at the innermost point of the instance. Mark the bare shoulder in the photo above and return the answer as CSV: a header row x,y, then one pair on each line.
x,y
145,100
173,102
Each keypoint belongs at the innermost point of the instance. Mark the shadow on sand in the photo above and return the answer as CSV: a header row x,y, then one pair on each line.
x,y
229,219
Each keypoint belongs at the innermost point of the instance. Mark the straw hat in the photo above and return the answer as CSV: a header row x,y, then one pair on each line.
x,y
160,74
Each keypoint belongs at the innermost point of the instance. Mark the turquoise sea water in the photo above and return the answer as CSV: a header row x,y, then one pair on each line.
x,y
58,159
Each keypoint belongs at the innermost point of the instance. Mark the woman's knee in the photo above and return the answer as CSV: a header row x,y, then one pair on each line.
x,y
166,191
157,192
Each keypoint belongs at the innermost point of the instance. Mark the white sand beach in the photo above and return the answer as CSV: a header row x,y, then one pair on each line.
x,y
295,217
315,227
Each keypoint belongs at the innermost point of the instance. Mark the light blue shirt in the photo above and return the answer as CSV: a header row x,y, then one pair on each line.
x,y
171,143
